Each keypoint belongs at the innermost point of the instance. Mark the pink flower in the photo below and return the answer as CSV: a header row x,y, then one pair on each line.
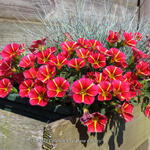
x,y
96,123
121,90
31,73
58,61
113,72
147,111
5,87
25,87
27,61
46,73
43,57
104,90
11,51
76,63
125,111
113,37
57,87
69,46
84,91
38,96
97,60
83,53
138,36
128,39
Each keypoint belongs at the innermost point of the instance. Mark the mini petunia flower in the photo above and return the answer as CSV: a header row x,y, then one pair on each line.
x,y
6,67
57,87
121,89
46,73
147,111
11,51
43,57
99,77
92,44
130,77
84,91
116,55
31,73
5,87
137,54
82,43
38,45
128,39
65,54
125,111
102,50
27,61
138,36
104,90
58,61
51,49
91,76
38,96
25,87
112,38
83,53
113,72
69,46
97,122
97,60
76,63
142,68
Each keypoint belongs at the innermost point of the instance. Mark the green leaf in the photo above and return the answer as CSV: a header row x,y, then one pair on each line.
x,y
103,111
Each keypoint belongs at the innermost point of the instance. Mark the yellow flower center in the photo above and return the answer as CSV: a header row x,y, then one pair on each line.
x,y
83,92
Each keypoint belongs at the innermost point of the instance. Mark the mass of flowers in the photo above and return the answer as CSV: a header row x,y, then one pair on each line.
x,y
93,76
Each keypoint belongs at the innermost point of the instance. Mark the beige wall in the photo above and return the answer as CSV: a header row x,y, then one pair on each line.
x,y
11,10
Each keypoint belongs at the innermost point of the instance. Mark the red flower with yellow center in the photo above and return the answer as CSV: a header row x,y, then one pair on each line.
x,y
57,87
113,72
31,73
128,39
27,61
138,36
25,87
84,91
92,44
58,61
142,68
83,53
38,96
69,46
97,122
137,54
104,90
43,57
113,37
116,55
5,87
99,77
125,111
11,51
6,68
82,43
76,63
121,89
97,60
147,111
103,50
46,73
65,54
51,49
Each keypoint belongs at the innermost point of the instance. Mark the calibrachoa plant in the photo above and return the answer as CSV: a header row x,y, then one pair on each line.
x,y
95,79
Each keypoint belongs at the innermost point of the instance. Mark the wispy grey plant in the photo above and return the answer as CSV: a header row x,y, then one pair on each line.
x,y
88,19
